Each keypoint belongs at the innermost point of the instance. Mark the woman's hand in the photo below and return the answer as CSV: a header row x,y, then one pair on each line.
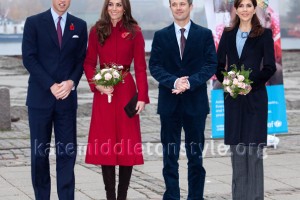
x,y
105,90
140,106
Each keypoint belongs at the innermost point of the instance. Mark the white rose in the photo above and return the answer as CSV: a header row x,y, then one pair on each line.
x,y
228,89
107,76
120,67
116,74
235,81
97,77
104,70
231,74
226,81
241,78
241,85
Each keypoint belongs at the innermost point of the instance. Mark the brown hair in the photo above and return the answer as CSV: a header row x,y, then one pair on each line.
x,y
190,2
103,25
257,28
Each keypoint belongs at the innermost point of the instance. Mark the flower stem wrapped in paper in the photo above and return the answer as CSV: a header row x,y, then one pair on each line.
x,y
236,82
109,76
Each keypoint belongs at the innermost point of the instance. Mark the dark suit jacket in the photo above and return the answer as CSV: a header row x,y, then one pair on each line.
x,y
246,116
199,63
47,63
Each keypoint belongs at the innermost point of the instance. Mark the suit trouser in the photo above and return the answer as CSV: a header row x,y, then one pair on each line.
x,y
248,172
40,123
194,142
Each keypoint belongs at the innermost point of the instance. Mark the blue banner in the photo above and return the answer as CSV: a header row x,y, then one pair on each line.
x,y
277,118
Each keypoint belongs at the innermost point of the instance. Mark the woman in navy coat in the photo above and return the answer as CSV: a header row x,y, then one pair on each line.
x,y
247,43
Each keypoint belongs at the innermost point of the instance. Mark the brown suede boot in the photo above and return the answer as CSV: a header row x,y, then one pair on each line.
x,y
124,180
109,179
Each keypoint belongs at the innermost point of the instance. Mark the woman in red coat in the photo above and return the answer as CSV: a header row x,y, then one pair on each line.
x,y
114,138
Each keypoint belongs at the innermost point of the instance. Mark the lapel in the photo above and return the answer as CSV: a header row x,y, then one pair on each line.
x,y
245,48
192,36
50,26
232,43
67,31
173,42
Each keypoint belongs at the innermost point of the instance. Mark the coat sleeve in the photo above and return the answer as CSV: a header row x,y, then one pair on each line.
x,y
30,55
140,67
91,58
221,53
269,66
80,56
210,65
156,64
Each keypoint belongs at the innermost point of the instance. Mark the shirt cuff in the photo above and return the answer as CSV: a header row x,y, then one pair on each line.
x,y
188,84
73,88
174,86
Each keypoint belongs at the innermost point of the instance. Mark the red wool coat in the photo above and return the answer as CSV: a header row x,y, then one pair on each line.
x,y
114,138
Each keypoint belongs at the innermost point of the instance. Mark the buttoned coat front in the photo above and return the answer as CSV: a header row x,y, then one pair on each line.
x,y
114,138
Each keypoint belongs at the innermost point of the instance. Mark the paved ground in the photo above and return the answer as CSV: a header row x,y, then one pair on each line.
x,y
282,176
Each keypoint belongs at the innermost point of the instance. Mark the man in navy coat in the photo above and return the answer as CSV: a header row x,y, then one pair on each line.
x,y
183,58
53,50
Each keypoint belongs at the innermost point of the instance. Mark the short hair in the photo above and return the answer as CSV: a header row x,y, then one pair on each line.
x,y
189,1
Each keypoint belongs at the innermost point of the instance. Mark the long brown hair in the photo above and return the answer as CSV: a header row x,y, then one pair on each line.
x,y
257,28
103,25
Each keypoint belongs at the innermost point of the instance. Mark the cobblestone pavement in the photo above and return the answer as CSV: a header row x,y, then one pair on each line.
x,y
282,177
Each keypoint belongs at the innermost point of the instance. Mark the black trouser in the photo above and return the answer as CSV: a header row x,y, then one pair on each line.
x,y
109,178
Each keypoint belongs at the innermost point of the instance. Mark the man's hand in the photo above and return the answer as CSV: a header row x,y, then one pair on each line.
x,y
65,88
54,89
181,85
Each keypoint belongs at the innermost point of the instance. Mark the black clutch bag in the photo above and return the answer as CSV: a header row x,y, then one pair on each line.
x,y
130,106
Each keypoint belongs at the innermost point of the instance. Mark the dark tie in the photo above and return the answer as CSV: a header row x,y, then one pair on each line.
x,y
182,41
59,31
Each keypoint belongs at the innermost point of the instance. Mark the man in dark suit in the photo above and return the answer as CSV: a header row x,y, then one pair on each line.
x,y
53,49
183,58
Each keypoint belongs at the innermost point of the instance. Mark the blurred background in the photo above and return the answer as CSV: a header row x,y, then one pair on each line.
x,y
152,15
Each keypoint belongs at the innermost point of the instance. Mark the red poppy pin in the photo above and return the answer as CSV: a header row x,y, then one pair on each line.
x,y
125,34
72,27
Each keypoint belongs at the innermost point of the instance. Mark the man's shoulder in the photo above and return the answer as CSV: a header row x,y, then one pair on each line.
x,y
77,19
200,28
165,29
38,15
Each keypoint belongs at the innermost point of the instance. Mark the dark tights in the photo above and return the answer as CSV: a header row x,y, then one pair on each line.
x,y
109,178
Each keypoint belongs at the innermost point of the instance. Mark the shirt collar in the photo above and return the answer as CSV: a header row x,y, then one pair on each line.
x,y
186,27
55,15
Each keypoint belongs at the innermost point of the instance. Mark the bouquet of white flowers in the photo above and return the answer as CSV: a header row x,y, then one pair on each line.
x,y
236,82
109,76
